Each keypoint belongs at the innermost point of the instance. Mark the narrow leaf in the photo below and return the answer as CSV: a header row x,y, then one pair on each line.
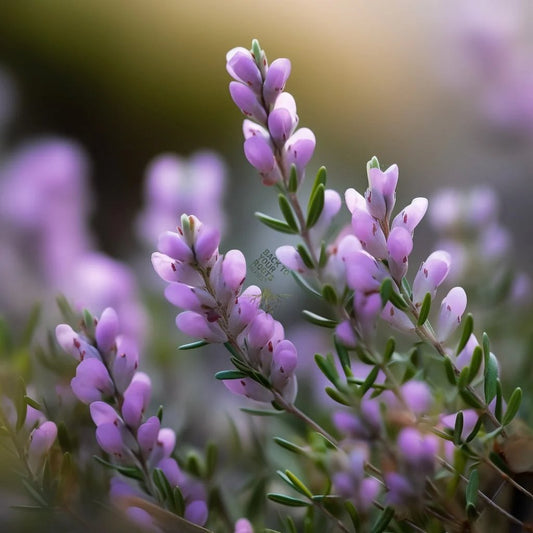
x,y
299,484
512,406
383,521
327,368
289,501
424,310
316,204
192,345
306,257
294,448
230,374
475,363
33,403
468,327
450,373
329,294
288,214
458,429
472,488
342,352
319,320
300,280
293,179
334,394
259,412
369,381
320,179
491,377
275,224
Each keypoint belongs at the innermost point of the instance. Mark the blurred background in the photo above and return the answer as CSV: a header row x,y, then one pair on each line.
x,y
423,85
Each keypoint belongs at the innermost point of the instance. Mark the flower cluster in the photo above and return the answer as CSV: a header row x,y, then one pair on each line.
x,y
272,143
208,285
118,395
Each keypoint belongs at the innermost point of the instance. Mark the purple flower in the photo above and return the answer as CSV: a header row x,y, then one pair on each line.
x,y
451,310
109,438
92,381
381,193
136,398
432,273
41,440
277,74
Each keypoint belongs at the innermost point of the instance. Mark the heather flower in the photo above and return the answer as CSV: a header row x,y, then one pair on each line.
x,y
209,286
431,274
275,145
243,526
41,440
118,395
452,308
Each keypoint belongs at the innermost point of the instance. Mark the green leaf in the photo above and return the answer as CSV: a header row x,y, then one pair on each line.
x,y
468,327
352,511
334,394
462,382
316,204
159,413
163,486
469,398
329,294
232,350
512,406
293,179
383,521
320,179
424,310
291,525
257,52
327,368
300,280
289,501
288,214
475,363
498,408
275,224
192,345
475,430
458,429
128,471
194,464
294,448
33,403
388,294
298,484
472,488
318,320
179,501
230,374
323,259
491,377
369,381
450,372
342,352
306,257
486,346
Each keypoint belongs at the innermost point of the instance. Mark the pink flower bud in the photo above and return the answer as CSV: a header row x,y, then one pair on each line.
x,y
369,232
246,100
147,435
171,244
451,310
91,381
431,274
411,216
234,269
41,440
399,246
275,79
196,512
103,413
106,330
196,325
136,399
109,439
242,67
